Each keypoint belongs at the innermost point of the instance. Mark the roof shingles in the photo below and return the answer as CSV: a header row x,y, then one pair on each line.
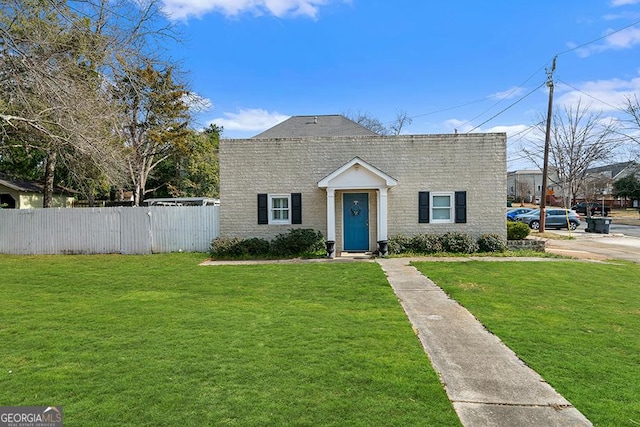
x,y
315,126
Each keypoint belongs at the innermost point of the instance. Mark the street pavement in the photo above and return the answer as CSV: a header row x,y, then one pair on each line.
x,y
595,245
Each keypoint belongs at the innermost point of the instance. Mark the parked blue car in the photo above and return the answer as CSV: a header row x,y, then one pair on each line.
x,y
512,213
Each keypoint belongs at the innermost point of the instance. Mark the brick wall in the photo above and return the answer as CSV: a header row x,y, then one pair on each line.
x,y
475,163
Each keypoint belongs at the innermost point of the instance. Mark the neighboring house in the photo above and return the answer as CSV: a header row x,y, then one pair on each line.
x,y
615,171
28,195
359,188
598,181
524,185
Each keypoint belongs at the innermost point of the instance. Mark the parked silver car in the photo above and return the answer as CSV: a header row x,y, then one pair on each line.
x,y
554,218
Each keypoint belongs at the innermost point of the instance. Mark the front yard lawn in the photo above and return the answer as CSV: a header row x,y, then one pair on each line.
x,y
576,324
160,341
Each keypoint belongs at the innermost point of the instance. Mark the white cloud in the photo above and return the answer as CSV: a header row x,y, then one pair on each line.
x,y
625,39
616,3
463,126
508,94
457,125
249,120
514,130
184,9
600,95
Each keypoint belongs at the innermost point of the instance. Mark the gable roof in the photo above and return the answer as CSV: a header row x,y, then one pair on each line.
x,y
23,186
311,126
30,187
355,169
614,170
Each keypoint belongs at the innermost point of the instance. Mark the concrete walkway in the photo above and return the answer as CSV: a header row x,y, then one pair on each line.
x,y
486,382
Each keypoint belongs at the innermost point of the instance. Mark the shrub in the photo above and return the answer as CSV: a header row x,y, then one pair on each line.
x,y
255,246
226,247
399,244
235,247
492,243
459,243
517,230
426,243
298,241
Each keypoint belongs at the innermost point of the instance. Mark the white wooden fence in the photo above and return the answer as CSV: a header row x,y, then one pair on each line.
x,y
124,230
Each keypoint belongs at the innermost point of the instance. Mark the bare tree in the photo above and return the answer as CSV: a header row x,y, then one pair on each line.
x,y
595,186
579,140
59,60
632,122
523,187
401,121
53,99
369,122
375,125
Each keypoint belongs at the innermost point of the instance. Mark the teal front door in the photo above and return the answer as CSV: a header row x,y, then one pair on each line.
x,y
356,221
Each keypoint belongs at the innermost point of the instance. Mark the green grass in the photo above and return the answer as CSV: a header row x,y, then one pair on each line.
x,y
576,324
160,341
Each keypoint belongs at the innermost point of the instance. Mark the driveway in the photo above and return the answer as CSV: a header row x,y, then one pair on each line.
x,y
595,246
627,230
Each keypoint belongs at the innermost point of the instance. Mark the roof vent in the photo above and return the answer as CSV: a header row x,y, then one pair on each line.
x,y
315,120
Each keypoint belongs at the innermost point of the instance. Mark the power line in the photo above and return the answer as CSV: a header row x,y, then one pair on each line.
x,y
524,132
441,110
555,56
523,83
598,39
512,91
505,109
478,101
450,108
591,96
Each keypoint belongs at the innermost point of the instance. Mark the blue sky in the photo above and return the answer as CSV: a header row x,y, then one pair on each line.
x,y
449,65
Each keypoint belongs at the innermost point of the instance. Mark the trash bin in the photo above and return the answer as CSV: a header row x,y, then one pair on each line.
x,y
598,225
602,225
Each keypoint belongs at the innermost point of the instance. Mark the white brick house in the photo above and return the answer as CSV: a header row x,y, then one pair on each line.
x,y
360,188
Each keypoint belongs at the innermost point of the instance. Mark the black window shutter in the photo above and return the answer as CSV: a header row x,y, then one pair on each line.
x,y
423,207
461,207
296,208
263,209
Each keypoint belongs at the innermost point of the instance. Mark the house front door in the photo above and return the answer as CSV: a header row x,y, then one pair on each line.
x,y
356,221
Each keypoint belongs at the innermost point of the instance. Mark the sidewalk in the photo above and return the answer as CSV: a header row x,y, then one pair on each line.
x,y
486,382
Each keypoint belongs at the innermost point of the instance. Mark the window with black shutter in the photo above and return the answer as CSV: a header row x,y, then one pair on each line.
x,y
263,209
296,208
423,207
280,208
461,207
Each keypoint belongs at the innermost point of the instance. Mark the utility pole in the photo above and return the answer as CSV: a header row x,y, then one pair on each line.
x,y
547,142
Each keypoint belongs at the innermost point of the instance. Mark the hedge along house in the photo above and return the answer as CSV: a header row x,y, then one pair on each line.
x,y
359,188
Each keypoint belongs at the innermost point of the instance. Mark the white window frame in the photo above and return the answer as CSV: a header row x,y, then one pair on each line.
x,y
432,207
270,198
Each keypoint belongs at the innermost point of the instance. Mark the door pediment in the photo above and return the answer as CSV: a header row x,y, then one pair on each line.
x,y
357,174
